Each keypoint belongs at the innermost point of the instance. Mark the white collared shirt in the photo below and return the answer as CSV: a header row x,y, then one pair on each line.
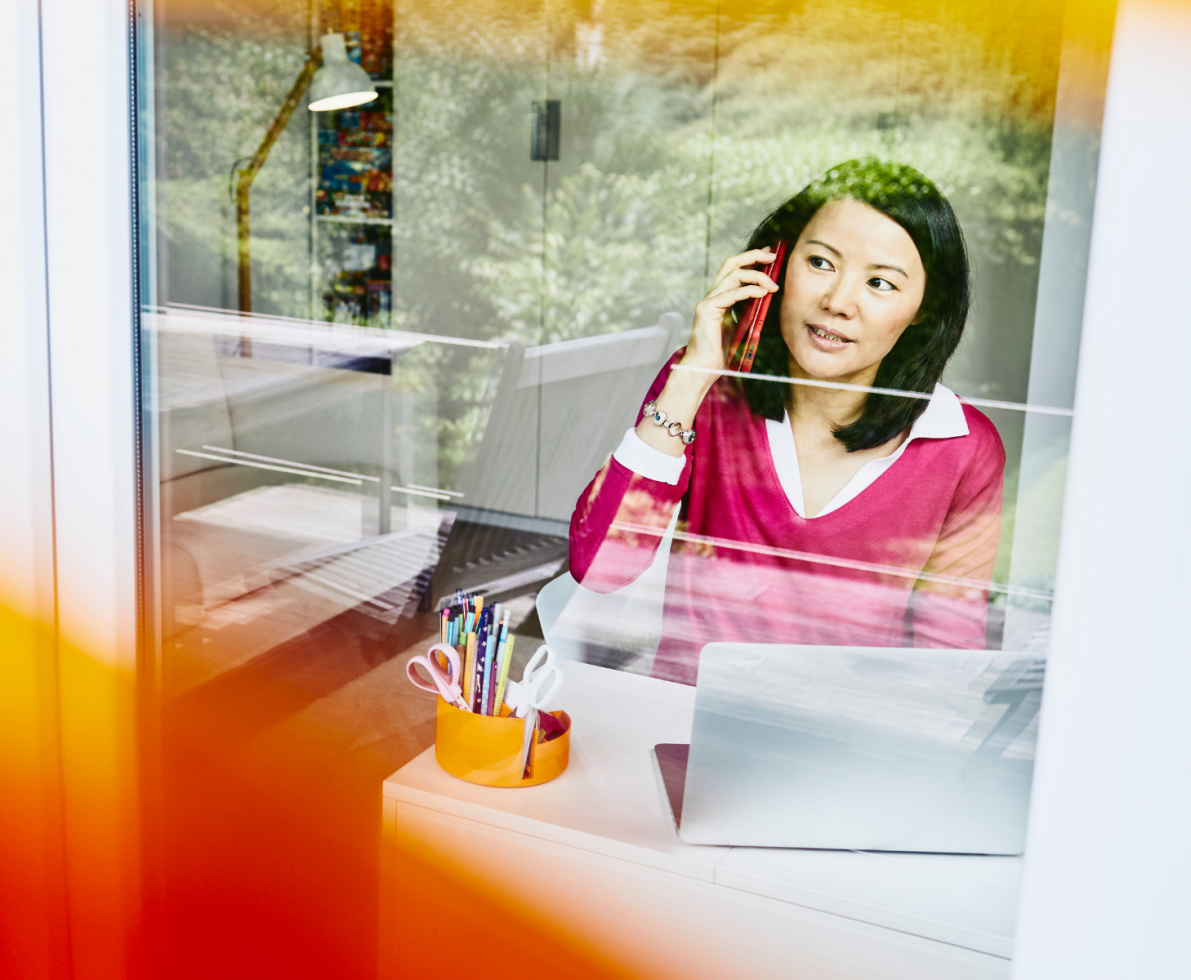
x,y
943,419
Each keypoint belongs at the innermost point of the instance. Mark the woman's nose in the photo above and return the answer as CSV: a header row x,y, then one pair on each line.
x,y
839,299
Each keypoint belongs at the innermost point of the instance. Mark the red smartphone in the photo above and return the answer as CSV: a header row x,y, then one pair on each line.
x,y
748,329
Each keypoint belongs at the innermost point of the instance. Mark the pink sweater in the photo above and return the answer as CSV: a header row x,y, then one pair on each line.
x,y
904,563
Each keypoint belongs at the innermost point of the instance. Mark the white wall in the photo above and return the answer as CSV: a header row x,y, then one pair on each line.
x,y
1107,891
26,534
88,230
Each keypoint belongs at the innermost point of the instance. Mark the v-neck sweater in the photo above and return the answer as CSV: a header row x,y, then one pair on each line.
x,y
906,562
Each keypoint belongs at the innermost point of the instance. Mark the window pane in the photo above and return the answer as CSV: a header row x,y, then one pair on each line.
x,y
418,268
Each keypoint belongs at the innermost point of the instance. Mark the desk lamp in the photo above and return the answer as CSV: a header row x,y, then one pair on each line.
x,y
338,84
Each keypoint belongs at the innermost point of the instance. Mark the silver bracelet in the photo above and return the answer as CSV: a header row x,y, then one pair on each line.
x,y
658,417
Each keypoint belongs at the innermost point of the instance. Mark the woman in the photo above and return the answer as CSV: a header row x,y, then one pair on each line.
x,y
812,513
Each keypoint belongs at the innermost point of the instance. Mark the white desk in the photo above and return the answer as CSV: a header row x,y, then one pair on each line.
x,y
596,853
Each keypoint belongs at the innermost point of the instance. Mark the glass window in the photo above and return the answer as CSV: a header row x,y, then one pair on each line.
x,y
419,268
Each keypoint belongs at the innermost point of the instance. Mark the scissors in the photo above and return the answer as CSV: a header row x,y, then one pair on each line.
x,y
446,684
540,681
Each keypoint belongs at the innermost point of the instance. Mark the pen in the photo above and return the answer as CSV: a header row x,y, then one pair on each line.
x,y
489,680
489,662
491,707
481,659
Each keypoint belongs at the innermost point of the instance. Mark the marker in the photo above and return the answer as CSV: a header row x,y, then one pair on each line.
x,y
504,674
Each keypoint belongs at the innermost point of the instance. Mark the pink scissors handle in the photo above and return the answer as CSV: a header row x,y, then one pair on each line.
x,y
445,684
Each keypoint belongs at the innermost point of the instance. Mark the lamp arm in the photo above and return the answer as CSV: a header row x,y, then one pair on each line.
x,y
246,176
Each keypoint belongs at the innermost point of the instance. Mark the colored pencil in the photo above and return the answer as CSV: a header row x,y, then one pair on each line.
x,y
469,667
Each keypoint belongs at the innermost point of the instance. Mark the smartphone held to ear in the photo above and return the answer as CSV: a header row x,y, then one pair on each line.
x,y
748,328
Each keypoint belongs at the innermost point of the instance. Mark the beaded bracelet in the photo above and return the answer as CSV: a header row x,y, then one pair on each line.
x,y
658,417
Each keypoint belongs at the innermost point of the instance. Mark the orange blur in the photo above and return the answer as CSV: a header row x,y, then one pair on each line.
x,y
193,844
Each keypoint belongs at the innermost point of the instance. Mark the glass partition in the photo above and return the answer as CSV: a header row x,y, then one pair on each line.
x,y
401,351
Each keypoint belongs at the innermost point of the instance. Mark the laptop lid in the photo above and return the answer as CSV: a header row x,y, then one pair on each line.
x,y
865,748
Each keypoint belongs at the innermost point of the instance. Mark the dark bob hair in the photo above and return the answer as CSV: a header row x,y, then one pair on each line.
x,y
917,360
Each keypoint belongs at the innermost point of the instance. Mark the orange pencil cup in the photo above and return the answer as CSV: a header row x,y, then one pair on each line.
x,y
487,750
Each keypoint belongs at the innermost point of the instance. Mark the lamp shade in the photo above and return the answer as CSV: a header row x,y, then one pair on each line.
x,y
339,83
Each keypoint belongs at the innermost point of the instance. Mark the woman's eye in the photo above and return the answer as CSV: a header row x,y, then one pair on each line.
x,y
820,263
881,285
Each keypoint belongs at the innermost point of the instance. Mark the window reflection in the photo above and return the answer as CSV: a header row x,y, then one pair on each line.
x,y
453,328
423,212
412,361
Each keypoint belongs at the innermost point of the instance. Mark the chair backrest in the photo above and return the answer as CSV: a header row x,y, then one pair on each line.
x,y
560,410
620,630
192,403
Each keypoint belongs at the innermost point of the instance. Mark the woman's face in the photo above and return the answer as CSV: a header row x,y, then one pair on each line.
x,y
854,282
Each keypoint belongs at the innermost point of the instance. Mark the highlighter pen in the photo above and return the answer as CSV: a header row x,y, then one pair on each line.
x,y
504,673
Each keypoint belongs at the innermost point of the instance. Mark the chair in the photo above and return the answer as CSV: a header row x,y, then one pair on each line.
x,y
619,630
559,412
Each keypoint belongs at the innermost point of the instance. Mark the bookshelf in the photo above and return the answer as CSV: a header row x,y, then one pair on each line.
x,y
351,206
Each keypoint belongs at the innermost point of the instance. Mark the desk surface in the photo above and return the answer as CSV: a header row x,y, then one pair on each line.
x,y
611,801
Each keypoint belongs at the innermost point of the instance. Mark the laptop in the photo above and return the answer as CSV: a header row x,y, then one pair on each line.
x,y
858,748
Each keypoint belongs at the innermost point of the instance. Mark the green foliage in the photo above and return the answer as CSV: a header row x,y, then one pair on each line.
x,y
678,135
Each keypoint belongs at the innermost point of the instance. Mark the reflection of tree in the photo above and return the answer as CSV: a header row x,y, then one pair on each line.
x,y
222,84
797,90
963,94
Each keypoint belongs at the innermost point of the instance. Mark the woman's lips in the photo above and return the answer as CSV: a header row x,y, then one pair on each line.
x,y
832,341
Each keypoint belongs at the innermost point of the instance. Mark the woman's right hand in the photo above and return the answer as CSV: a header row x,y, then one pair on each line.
x,y
735,281
684,391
